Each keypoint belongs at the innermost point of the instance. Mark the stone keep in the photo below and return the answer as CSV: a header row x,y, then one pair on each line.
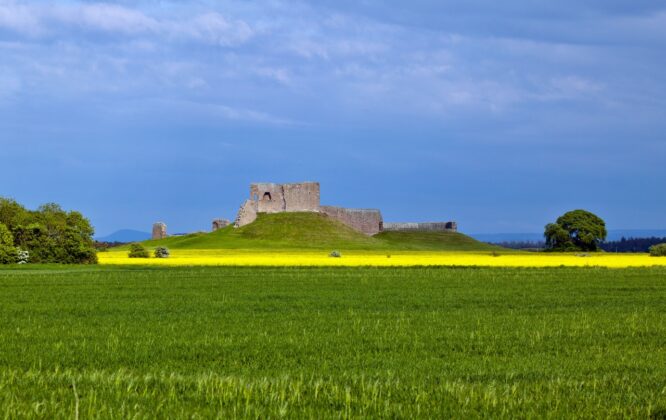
x,y
159,231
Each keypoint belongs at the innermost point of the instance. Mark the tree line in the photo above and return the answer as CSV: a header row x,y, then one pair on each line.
x,y
46,235
632,244
622,245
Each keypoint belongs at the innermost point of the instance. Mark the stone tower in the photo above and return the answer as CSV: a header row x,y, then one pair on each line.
x,y
278,198
159,230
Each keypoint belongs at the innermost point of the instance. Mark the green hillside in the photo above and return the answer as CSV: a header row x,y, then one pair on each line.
x,y
428,241
318,231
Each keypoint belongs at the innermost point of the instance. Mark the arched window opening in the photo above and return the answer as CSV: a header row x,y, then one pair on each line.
x,y
267,196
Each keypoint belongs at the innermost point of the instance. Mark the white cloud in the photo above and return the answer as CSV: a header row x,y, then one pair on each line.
x,y
215,29
573,86
60,19
196,110
336,61
19,18
280,75
107,17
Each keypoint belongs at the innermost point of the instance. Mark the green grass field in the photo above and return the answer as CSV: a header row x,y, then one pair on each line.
x,y
332,342
318,231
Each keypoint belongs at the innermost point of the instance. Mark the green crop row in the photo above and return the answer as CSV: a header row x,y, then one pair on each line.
x,y
332,342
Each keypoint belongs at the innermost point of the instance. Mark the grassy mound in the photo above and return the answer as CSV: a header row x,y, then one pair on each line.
x,y
434,241
318,231
278,230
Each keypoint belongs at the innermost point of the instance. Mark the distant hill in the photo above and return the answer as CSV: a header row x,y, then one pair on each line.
x,y
317,231
125,235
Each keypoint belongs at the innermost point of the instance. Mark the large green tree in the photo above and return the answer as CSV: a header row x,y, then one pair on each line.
x,y
576,230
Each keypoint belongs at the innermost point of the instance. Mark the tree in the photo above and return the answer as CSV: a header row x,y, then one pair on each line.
x,y
50,234
35,238
557,237
12,213
8,254
577,230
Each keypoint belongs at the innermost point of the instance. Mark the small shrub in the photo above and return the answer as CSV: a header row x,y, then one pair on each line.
x,y
23,256
335,254
658,250
138,251
161,252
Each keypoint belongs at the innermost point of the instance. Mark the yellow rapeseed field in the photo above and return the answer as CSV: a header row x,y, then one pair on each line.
x,y
229,257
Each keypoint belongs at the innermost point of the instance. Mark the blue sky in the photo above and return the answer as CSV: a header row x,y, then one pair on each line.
x,y
500,115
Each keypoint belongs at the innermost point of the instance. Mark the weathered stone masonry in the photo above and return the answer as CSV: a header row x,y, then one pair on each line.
x,y
219,224
277,198
421,227
305,196
159,231
368,221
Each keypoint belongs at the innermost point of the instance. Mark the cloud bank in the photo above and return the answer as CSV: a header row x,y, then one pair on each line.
x,y
411,90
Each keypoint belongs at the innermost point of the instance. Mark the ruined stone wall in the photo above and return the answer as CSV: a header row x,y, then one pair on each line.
x,y
303,196
159,231
421,227
368,221
275,198
220,224
246,214
269,197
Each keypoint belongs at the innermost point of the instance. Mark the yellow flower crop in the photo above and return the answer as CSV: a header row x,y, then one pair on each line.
x,y
226,257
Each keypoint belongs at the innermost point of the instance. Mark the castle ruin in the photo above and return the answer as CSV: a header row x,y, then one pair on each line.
x,y
305,196
277,198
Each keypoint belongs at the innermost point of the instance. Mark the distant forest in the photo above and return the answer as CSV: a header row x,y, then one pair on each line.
x,y
623,245
632,244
